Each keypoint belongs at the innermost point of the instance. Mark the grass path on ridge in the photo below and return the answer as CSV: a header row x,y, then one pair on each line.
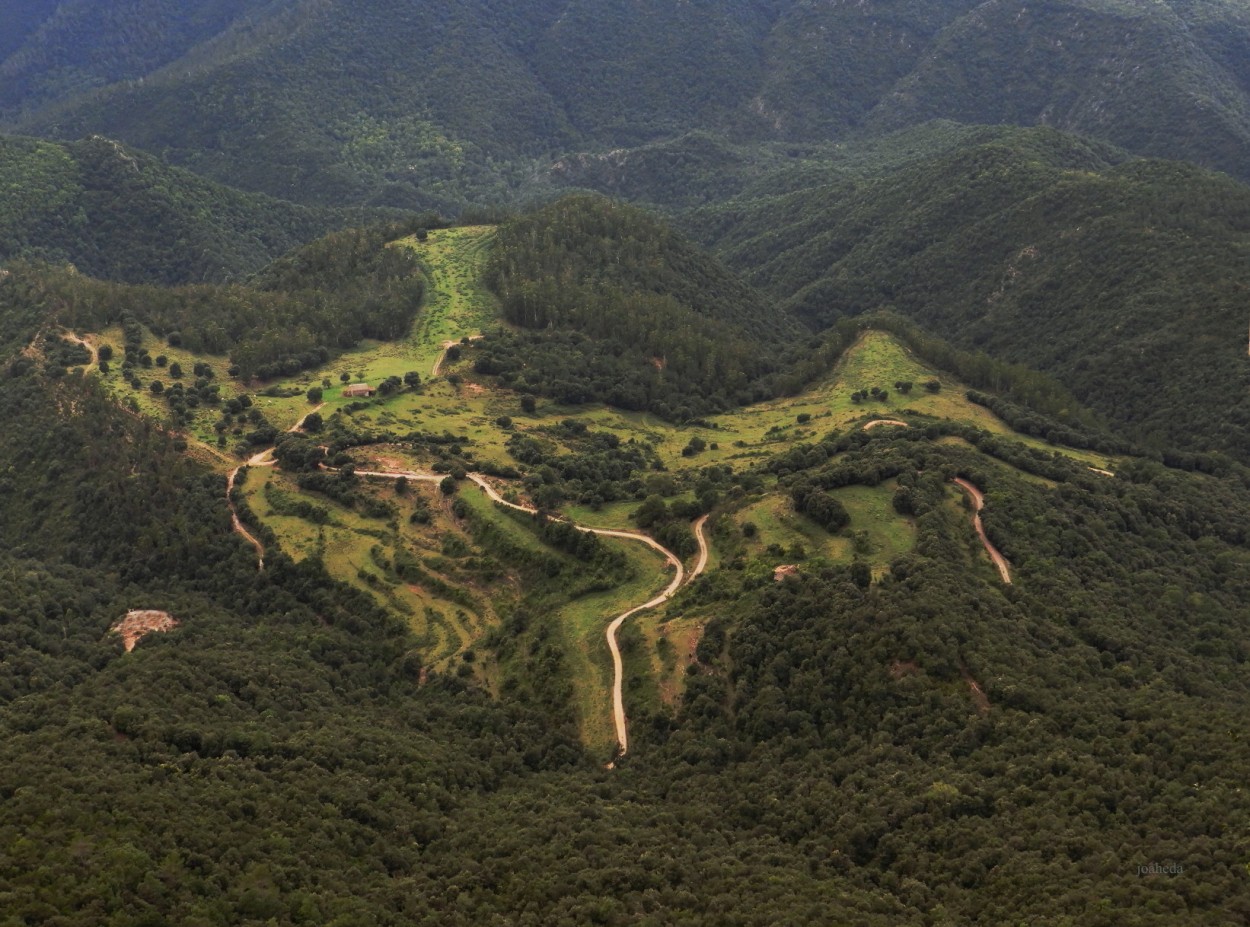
x,y
457,302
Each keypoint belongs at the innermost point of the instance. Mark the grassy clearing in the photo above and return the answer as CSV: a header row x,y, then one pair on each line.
x,y
784,536
446,594
878,533
457,303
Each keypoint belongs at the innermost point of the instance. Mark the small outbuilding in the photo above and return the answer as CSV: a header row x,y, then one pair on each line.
x,y
359,389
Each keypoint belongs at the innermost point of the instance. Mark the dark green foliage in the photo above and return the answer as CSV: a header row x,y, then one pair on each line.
x,y
122,215
654,317
267,330
296,113
1121,280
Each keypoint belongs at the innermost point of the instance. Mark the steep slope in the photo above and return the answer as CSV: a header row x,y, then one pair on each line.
x,y
1133,74
1125,280
432,107
123,215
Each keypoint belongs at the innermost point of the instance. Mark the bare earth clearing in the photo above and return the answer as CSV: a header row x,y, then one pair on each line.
x,y
139,623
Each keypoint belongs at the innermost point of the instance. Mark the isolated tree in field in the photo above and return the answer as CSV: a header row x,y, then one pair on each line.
x,y
412,379
529,404
448,486
175,370
454,352
105,352
344,377
314,394
401,486
157,387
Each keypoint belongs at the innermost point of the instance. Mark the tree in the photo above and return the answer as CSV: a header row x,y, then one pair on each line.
x,y
314,394
175,370
345,377
313,422
528,404
105,353
157,387
412,379
448,486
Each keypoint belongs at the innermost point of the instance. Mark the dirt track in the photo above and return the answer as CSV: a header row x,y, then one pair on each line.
x,y
876,422
234,513
978,502
95,352
447,346
680,578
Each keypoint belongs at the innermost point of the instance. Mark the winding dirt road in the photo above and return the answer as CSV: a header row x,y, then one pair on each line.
x,y
260,459
978,503
234,513
680,578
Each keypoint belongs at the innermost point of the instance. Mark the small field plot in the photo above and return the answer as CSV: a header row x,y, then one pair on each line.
x,y
878,533
410,571
457,302
771,529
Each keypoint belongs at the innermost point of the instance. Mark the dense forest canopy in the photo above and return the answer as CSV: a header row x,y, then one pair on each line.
x,y
120,214
1125,279
921,393
282,98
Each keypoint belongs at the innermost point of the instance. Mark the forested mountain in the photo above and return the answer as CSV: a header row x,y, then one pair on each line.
x,y
866,541
870,751
650,321
1125,279
120,214
380,102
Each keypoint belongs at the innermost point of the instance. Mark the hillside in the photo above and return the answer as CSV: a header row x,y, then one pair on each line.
x,y
1125,280
480,99
415,685
120,214
665,319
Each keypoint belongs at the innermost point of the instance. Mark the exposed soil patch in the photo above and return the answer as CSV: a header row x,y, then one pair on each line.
x,y
979,698
901,668
139,624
